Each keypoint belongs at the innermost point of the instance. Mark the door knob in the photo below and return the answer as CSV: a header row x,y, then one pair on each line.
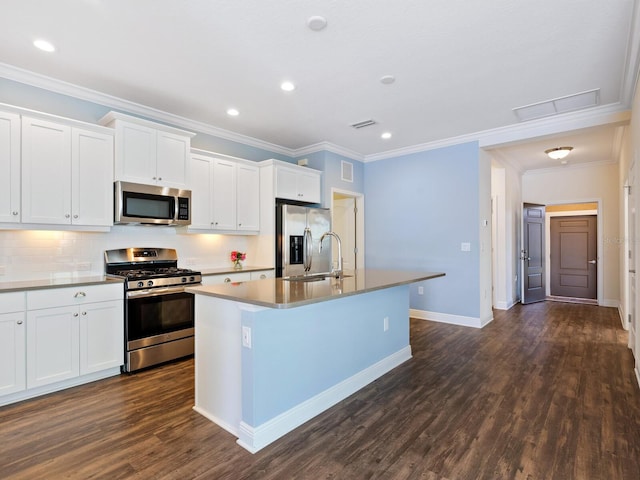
x,y
593,262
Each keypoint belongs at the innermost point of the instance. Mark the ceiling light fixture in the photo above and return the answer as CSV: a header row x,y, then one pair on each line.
x,y
316,23
44,45
287,86
386,135
558,153
232,112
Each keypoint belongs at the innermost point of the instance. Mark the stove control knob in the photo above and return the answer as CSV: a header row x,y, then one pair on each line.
x,y
150,283
183,279
140,284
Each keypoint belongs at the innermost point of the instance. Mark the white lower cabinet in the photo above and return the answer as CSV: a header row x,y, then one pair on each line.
x,y
60,337
12,343
262,274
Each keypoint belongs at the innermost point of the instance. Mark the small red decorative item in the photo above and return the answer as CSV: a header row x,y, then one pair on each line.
x,y
237,257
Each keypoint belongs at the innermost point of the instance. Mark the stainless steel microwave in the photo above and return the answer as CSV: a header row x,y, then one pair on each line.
x,y
135,203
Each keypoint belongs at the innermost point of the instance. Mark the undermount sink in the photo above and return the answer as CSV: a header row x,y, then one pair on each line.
x,y
314,278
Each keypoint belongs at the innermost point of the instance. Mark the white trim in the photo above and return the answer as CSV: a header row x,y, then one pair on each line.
x,y
504,305
57,386
637,375
58,86
254,439
475,322
217,420
614,113
360,227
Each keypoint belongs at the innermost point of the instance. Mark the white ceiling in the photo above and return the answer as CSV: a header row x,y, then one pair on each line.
x,y
461,67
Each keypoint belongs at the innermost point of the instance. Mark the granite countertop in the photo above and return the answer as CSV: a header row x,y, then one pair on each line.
x,y
279,293
21,285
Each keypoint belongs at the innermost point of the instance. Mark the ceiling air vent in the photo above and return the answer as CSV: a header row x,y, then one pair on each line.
x,y
365,123
555,106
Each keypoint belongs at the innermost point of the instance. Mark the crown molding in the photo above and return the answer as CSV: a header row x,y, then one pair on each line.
x,y
614,113
328,147
65,88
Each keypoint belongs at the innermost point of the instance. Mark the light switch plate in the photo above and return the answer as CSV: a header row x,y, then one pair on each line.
x,y
465,247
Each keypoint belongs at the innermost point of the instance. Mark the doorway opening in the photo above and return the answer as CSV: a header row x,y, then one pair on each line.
x,y
347,221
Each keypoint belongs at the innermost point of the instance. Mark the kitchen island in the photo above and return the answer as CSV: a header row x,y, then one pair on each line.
x,y
271,354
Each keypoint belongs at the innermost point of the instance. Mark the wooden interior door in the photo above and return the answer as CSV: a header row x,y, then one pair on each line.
x,y
573,252
533,272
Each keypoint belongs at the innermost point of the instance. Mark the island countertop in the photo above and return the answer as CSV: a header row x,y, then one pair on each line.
x,y
282,293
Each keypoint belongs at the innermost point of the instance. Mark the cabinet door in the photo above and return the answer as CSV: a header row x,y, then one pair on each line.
x,y
135,158
12,353
224,195
172,167
248,197
91,178
309,187
101,336
53,351
9,167
46,172
201,190
286,184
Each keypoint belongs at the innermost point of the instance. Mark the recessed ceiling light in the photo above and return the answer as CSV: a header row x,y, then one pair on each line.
x,y
386,135
44,45
316,23
287,86
233,112
387,79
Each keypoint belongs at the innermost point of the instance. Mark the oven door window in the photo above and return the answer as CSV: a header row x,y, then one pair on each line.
x,y
149,316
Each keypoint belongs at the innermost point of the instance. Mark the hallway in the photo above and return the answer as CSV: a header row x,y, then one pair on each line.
x,y
546,391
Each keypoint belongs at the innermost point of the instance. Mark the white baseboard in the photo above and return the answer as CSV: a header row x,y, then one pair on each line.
x,y
229,428
256,438
637,375
463,321
504,305
608,302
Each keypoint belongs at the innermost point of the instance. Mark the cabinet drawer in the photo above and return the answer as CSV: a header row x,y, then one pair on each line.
x,y
59,297
12,302
226,278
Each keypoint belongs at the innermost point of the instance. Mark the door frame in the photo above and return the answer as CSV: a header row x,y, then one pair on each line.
x,y
547,239
359,226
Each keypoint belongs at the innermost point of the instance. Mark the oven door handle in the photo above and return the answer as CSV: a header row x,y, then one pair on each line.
x,y
154,292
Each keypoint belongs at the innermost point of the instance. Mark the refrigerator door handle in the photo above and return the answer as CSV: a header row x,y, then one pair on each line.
x,y
308,249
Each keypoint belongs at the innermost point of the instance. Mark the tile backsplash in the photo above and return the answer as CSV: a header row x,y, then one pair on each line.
x,y
40,254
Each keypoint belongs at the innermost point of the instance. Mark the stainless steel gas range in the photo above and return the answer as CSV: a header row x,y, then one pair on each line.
x,y
159,314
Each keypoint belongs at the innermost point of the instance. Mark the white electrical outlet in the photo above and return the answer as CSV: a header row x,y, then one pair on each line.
x,y
420,290
246,337
385,323
465,247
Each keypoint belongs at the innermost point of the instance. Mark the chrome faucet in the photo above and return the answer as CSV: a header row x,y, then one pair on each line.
x,y
337,272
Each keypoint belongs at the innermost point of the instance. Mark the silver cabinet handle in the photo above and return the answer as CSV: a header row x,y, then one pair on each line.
x,y
67,216
75,314
15,213
84,313
19,322
75,216
263,276
160,178
227,280
79,294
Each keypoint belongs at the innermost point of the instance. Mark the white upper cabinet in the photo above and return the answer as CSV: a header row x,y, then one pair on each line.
x,y
67,174
225,194
46,172
248,195
298,183
9,167
149,153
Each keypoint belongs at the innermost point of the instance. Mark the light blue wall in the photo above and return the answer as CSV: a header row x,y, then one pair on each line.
x,y
419,209
300,352
34,98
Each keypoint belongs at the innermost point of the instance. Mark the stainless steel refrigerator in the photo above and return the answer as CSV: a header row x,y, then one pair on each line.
x,y
298,232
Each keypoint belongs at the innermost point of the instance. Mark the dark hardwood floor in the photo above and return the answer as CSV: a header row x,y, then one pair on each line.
x,y
546,391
